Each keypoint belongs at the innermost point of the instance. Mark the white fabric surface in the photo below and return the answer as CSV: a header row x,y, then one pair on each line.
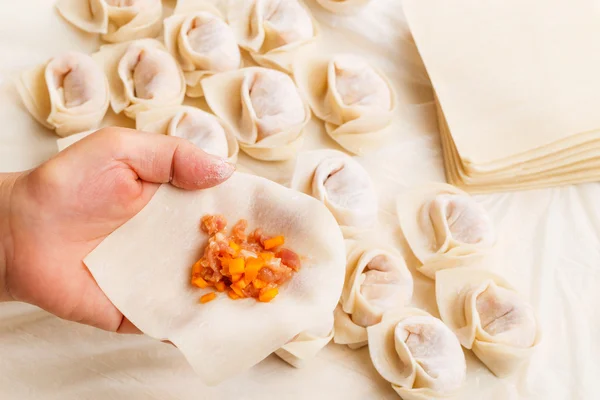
x,y
551,240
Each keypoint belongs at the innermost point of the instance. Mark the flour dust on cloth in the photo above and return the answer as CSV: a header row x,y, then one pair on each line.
x,y
264,108
202,42
68,94
148,279
115,20
203,129
142,76
272,31
513,113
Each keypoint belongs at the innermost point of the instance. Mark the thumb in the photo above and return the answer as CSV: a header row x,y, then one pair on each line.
x,y
162,159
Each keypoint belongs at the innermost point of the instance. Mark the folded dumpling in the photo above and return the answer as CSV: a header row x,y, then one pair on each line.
x,y
417,354
343,6
377,280
149,278
201,41
488,316
69,93
142,76
116,20
306,346
444,227
203,129
264,108
272,30
354,99
341,183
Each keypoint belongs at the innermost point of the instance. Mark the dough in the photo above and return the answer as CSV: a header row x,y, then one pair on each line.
x,y
264,108
306,346
201,41
355,100
341,183
116,20
444,227
343,6
488,316
417,354
223,337
199,127
377,280
142,76
272,30
68,94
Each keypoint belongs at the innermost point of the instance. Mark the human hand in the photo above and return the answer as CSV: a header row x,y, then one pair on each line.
x,y
51,217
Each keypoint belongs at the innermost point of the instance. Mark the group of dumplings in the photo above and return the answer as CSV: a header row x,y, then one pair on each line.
x,y
265,108
263,111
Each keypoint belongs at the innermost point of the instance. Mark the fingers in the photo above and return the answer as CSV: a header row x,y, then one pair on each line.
x,y
161,159
127,327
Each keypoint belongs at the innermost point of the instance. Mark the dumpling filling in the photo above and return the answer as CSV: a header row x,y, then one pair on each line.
x,y
254,265
358,84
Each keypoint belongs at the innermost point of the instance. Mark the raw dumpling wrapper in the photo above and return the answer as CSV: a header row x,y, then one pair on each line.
x,y
199,127
355,100
68,94
142,76
445,227
201,41
341,183
272,30
116,20
343,6
264,108
417,354
306,346
377,281
148,279
488,316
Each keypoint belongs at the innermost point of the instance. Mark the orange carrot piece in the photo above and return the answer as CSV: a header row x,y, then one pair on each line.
x,y
199,282
259,284
208,297
274,242
220,286
237,291
196,268
253,265
232,295
266,256
237,266
266,296
234,246
236,277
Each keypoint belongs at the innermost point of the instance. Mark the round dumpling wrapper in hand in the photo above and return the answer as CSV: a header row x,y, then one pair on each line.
x,y
417,354
68,94
202,42
343,6
272,31
148,279
377,281
203,129
264,107
341,183
306,345
115,20
445,227
354,99
142,76
488,316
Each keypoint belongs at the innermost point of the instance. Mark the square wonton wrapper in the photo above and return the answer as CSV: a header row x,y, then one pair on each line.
x,y
144,269
526,79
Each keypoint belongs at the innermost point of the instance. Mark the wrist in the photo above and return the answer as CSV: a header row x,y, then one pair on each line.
x,y
7,182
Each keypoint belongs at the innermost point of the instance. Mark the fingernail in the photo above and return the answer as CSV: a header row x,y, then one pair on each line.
x,y
217,171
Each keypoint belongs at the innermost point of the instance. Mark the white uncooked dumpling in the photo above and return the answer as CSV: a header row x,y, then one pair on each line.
x,y
341,183
377,281
445,227
201,41
203,129
306,346
343,6
417,354
69,93
352,97
142,76
116,20
263,106
272,30
488,316
224,337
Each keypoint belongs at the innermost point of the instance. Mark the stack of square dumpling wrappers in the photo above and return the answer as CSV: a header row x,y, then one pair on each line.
x,y
517,89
